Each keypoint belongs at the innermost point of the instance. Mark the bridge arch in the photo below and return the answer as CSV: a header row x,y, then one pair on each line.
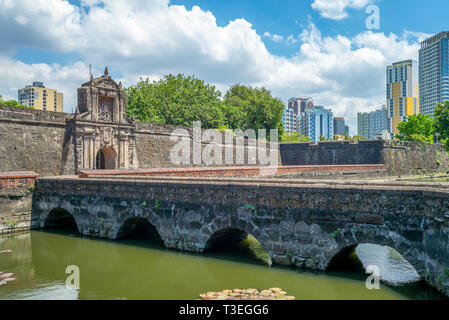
x,y
348,243
229,235
138,227
61,218
224,236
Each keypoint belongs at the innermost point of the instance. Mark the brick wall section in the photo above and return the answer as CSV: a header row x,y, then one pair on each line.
x,y
17,179
16,201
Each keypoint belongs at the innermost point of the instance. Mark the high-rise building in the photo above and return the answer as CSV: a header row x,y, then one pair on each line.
x,y
292,114
434,72
317,122
347,131
41,98
300,104
371,124
339,126
402,93
290,120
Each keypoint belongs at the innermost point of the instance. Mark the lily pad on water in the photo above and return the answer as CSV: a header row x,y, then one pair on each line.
x,y
5,278
247,294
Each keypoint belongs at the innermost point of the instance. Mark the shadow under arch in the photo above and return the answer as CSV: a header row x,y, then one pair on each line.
x,y
236,244
137,228
106,158
61,220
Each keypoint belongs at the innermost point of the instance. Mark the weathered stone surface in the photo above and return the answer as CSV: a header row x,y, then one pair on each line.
x,y
15,201
400,157
194,215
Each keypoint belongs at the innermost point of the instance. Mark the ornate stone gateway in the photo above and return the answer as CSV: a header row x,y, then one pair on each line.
x,y
104,135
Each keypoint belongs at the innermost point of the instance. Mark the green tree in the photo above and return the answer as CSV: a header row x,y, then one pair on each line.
x,y
419,127
177,100
294,137
12,103
252,108
442,122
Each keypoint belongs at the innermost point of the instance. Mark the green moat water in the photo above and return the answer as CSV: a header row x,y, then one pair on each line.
x,y
143,269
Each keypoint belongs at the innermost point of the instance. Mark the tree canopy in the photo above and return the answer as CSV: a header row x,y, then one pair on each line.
x,y
442,122
253,108
181,100
418,127
12,103
176,100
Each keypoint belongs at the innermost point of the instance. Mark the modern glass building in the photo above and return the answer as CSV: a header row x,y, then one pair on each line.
x,y
300,104
339,126
290,120
292,114
434,72
317,122
371,124
402,93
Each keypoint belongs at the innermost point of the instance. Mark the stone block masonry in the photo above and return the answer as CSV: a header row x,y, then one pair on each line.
x,y
401,158
15,201
300,224
47,143
51,143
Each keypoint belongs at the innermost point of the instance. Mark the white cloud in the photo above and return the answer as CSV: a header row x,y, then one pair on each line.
x,y
38,23
65,79
153,38
336,9
273,37
291,39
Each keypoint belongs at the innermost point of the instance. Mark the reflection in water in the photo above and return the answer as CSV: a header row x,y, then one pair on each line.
x,y
136,269
394,269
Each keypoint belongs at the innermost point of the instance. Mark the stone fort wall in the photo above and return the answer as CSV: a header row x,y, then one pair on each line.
x,y
44,142
35,140
400,157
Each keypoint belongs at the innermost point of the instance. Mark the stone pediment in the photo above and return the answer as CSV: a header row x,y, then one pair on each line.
x,y
102,100
104,82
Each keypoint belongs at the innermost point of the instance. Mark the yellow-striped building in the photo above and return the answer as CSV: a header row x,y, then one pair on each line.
x,y
41,98
402,93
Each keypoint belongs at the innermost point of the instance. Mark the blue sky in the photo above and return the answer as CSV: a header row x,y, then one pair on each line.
x,y
317,48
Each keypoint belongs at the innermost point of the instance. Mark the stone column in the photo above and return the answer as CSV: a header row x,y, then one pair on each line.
x,y
125,154
116,108
122,153
122,108
92,153
85,153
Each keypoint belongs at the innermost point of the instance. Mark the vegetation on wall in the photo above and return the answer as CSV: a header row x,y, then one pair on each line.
x,y
294,137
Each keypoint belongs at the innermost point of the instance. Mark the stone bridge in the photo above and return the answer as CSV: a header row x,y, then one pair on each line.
x,y
302,223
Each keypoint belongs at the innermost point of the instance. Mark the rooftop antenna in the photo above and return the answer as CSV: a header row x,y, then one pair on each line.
x,y
90,71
